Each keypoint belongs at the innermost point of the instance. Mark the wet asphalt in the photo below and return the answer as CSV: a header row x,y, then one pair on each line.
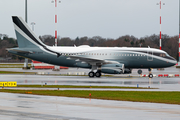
x,y
30,107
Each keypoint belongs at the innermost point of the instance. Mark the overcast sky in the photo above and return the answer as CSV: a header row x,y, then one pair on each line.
x,y
105,18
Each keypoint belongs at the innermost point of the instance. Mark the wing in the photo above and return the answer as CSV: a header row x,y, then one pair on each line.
x,y
92,61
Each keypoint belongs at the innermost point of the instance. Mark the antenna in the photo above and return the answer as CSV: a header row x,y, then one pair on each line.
x,y
33,23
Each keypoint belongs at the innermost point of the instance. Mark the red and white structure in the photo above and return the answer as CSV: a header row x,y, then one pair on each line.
x,y
56,23
160,43
56,17
40,65
56,20
179,34
160,28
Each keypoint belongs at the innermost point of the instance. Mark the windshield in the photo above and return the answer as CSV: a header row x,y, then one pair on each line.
x,y
167,54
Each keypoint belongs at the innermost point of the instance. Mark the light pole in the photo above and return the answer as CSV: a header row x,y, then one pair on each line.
x,y
160,23
26,60
26,11
33,23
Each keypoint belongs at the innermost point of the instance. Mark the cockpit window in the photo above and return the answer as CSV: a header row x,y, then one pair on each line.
x,y
163,55
167,54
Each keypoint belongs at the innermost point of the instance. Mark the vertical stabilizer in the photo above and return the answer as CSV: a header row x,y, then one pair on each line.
x,y
25,36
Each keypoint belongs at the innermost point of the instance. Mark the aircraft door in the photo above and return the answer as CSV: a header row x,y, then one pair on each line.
x,y
149,55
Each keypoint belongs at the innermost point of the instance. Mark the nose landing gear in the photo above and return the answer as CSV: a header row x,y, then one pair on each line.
x,y
150,74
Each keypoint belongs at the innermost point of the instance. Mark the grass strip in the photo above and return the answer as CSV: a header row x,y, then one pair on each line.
x,y
12,65
11,72
135,96
74,86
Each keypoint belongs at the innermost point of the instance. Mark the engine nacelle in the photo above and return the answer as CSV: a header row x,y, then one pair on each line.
x,y
112,68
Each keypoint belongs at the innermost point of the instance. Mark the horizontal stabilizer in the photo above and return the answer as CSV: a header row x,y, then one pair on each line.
x,y
19,51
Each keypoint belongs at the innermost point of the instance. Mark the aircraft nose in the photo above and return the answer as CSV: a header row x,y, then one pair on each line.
x,y
174,61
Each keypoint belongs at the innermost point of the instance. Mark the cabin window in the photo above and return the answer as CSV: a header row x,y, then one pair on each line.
x,y
124,54
135,54
127,54
130,54
106,53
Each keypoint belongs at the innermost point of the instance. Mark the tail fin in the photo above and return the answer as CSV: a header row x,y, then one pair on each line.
x,y
25,36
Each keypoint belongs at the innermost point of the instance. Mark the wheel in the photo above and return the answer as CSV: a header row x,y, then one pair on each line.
x,y
139,71
98,74
91,74
150,75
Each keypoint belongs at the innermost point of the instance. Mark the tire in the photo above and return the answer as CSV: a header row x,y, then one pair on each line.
x,y
98,74
150,75
91,74
139,71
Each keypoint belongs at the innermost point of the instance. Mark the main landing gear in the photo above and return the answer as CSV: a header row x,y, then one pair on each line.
x,y
92,74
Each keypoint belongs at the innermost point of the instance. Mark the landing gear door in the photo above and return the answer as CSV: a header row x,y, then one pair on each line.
x,y
149,55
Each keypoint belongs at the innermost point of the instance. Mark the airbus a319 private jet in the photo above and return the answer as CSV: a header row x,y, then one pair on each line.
x,y
110,60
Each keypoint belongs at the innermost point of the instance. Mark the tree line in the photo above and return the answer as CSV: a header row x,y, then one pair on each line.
x,y
169,44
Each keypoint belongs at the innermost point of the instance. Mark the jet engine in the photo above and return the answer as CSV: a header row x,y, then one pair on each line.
x,y
112,68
